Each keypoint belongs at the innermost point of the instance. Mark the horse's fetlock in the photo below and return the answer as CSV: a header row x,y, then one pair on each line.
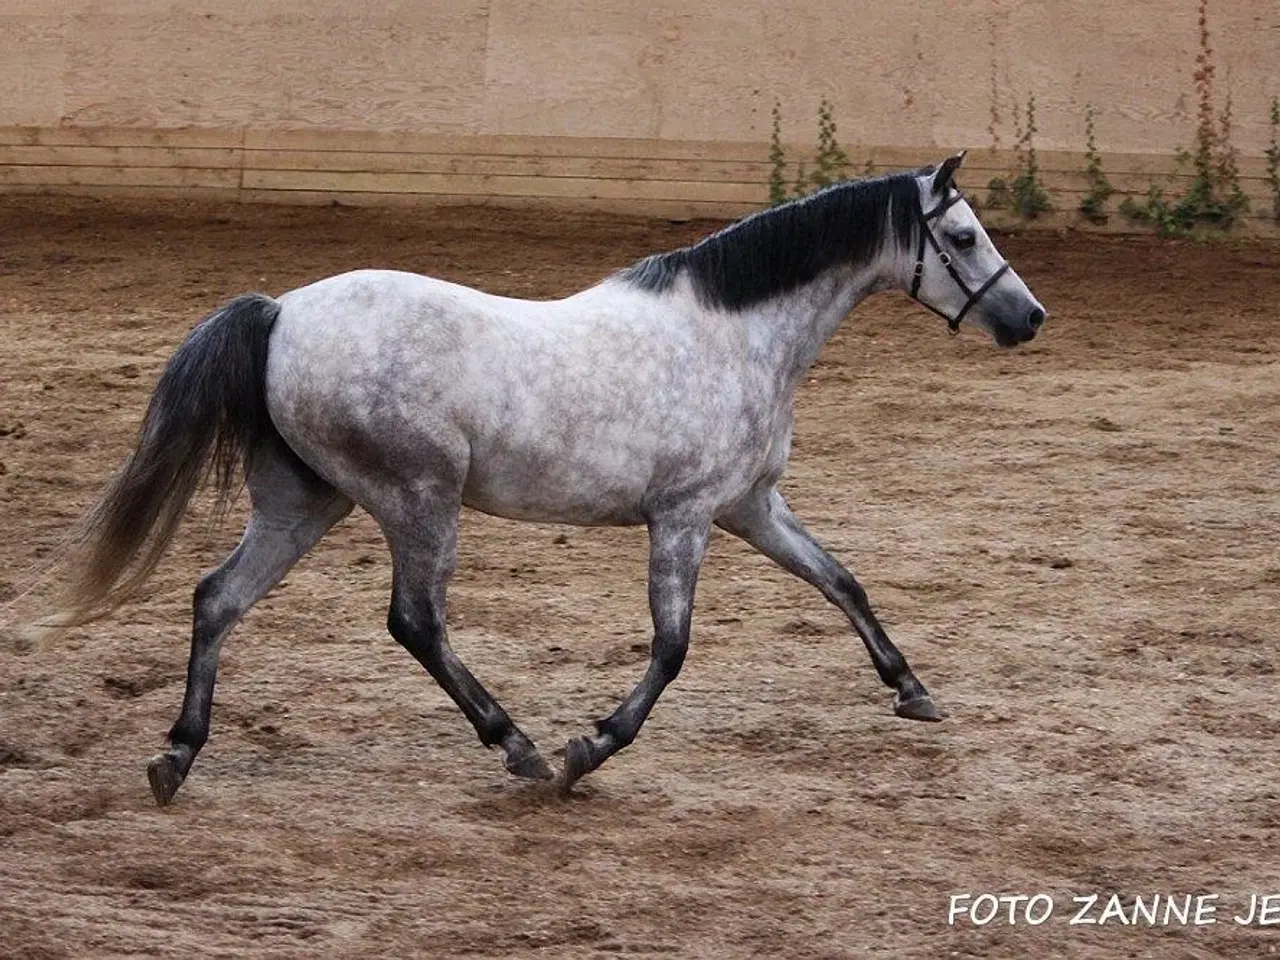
x,y
619,734
188,735
494,731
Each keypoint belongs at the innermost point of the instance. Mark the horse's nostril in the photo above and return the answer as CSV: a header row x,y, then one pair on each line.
x,y
1035,318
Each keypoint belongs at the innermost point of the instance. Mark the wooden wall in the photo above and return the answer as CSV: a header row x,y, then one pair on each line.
x,y
661,108
675,179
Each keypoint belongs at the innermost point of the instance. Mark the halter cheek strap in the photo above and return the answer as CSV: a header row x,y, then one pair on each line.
x,y
927,237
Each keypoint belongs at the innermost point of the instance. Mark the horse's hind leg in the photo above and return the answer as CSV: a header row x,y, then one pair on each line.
x,y
767,523
423,552
292,509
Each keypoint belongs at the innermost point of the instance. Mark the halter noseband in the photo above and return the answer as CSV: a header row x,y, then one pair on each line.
x,y
926,236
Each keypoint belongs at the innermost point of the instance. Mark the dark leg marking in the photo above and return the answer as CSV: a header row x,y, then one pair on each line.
x,y
423,565
418,625
767,523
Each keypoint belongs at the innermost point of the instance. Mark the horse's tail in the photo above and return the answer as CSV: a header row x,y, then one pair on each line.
x,y
207,415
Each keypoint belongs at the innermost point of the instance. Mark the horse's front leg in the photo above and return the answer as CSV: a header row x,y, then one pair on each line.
x,y
676,547
767,523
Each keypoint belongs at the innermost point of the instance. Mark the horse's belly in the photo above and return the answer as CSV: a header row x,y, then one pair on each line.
x,y
527,488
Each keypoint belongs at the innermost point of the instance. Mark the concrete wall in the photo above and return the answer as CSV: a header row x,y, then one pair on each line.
x,y
920,76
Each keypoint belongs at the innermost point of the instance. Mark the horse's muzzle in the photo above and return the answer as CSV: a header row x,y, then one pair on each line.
x,y
1011,334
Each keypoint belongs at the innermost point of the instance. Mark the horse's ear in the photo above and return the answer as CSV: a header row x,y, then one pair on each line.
x,y
946,173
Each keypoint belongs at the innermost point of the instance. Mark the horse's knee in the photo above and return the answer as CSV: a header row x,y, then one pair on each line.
x,y
846,588
400,622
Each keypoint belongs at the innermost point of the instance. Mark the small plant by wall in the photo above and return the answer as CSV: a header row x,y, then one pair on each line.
x,y
777,160
831,162
801,186
1214,199
1024,194
1094,204
1273,158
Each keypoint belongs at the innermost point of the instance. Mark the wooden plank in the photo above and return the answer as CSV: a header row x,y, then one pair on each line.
x,y
478,185
1073,182
386,142
104,156
1146,164
665,209
1070,220
187,137
503,145
118,190
981,161
568,188
604,168
61,176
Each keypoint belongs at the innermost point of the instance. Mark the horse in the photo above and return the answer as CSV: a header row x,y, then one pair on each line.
x,y
662,396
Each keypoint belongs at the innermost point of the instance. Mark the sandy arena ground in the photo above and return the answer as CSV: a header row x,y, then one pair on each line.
x,y
1074,544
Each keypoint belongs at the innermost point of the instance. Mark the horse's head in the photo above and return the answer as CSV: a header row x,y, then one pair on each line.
x,y
958,273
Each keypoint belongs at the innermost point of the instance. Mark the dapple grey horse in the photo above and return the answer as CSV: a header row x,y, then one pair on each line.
x,y
661,396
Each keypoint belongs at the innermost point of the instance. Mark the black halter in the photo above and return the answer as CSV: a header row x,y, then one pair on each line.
x,y
926,236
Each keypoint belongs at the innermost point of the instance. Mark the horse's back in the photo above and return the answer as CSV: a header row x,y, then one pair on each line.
x,y
559,410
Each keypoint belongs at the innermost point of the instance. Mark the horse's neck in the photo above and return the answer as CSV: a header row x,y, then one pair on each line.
x,y
792,328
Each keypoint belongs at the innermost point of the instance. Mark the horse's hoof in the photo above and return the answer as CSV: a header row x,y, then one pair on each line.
x,y
163,775
529,766
917,708
578,761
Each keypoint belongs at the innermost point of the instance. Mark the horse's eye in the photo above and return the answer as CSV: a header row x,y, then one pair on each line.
x,y
964,240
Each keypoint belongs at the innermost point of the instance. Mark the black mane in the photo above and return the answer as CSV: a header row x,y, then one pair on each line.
x,y
777,250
